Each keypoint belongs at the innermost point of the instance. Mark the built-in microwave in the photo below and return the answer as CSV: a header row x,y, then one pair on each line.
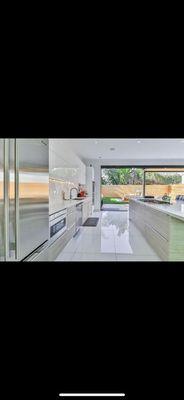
x,y
57,224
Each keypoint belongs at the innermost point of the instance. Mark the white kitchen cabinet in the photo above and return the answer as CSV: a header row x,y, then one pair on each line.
x,y
162,231
84,212
71,217
82,173
89,180
57,166
87,208
71,222
73,174
51,253
90,208
65,164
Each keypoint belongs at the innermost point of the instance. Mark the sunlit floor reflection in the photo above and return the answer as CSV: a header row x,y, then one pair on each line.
x,y
115,238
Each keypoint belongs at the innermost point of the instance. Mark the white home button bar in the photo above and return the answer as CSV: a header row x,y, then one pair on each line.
x,y
92,394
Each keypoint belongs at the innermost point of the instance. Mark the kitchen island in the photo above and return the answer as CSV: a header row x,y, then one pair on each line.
x,y
162,225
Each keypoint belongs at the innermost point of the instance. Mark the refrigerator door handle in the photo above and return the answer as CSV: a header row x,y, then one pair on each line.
x,y
16,200
6,197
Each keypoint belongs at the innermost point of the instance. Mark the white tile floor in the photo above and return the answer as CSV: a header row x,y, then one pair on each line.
x,y
115,238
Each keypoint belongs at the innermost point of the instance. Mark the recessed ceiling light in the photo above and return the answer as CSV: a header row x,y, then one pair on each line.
x,y
112,148
138,141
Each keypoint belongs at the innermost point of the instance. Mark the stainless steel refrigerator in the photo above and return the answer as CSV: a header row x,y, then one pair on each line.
x,y
24,197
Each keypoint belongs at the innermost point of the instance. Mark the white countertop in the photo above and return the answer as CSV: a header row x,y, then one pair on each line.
x,y
61,205
175,210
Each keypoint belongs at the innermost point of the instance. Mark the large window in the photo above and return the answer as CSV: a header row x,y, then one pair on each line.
x,y
119,184
164,182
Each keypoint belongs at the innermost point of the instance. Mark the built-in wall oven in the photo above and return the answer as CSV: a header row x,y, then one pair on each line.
x,y
57,224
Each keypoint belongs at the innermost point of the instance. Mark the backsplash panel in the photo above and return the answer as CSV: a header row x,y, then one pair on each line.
x,y
56,189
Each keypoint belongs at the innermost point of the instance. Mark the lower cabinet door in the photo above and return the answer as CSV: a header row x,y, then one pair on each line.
x,y
84,213
70,233
157,242
71,219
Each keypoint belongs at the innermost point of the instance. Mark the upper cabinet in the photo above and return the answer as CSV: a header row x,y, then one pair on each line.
x,y
57,165
64,164
82,174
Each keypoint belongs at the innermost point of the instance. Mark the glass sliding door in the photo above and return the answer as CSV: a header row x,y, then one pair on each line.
x,y
118,185
165,182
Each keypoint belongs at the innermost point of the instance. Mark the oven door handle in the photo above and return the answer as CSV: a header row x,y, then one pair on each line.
x,y
56,220
58,217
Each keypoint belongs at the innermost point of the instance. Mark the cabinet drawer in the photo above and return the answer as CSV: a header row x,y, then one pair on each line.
x,y
57,247
71,210
70,220
157,242
70,233
159,221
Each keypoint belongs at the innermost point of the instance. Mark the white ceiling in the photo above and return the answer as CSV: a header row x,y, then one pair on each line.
x,y
88,149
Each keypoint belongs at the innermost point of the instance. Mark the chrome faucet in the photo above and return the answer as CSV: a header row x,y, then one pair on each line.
x,y
71,191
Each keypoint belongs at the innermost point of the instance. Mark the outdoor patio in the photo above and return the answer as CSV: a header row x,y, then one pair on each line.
x,y
114,204
115,207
